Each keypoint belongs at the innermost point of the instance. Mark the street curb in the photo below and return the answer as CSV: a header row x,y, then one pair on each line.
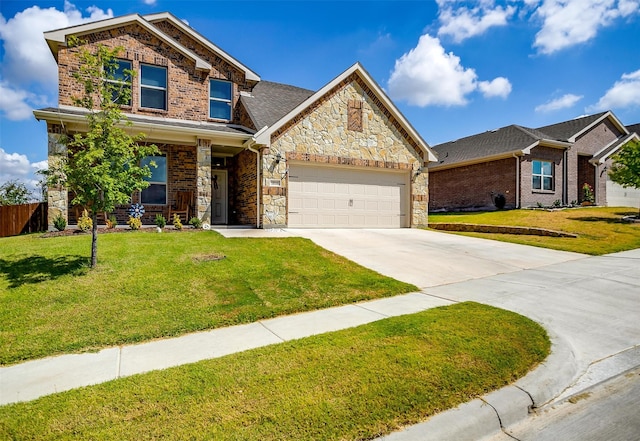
x,y
487,415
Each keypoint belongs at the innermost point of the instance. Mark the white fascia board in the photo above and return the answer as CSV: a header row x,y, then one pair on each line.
x,y
265,137
59,37
249,74
506,155
547,143
609,114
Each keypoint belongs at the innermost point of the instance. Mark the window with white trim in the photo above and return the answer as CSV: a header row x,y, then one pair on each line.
x,y
220,99
156,192
121,83
153,87
542,176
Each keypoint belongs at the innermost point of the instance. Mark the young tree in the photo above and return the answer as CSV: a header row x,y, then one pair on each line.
x,y
102,166
14,192
626,166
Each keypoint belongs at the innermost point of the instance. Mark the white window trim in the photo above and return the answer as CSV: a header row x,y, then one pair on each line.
x,y
542,175
230,101
165,89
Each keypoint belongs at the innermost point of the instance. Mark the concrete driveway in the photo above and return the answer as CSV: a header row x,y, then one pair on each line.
x,y
592,303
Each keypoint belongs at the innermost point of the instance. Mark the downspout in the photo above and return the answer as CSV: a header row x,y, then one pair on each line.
x,y
249,146
565,178
517,180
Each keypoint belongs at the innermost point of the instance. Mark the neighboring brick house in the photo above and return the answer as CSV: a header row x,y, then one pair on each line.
x,y
251,152
548,165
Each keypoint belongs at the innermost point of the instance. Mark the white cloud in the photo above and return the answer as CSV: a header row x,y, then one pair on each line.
x,y
27,58
15,166
570,22
426,75
498,87
623,93
150,2
17,104
462,22
564,102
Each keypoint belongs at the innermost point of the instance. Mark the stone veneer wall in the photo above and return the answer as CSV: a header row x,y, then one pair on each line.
x,y
320,134
57,197
203,181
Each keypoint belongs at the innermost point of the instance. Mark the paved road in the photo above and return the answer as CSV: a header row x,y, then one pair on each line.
x,y
609,411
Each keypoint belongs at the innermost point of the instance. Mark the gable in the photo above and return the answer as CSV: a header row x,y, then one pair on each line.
x,y
369,91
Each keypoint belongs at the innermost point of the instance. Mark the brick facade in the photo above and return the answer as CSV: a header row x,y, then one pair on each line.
x,y
473,186
243,192
532,198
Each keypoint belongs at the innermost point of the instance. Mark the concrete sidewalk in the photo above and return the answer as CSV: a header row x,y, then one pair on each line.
x,y
589,305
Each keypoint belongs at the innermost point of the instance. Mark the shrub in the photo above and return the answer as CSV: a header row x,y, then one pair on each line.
x,y
177,223
500,201
134,223
59,222
85,223
160,221
557,203
112,221
197,223
587,193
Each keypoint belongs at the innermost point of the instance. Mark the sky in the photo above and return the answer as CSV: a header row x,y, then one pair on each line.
x,y
453,68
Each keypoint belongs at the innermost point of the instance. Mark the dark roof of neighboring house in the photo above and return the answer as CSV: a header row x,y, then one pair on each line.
x,y
634,128
492,143
609,150
271,101
566,129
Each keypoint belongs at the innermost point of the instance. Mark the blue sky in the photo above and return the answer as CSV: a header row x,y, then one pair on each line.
x,y
454,68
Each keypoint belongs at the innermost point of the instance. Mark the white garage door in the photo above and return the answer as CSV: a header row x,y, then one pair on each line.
x,y
340,197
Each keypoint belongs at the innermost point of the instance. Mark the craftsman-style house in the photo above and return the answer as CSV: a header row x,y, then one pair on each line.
x,y
243,151
517,166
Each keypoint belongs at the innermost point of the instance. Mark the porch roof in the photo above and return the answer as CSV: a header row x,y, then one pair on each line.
x,y
156,129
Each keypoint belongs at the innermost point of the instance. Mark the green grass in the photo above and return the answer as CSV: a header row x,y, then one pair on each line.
x,y
600,230
150,285
352,384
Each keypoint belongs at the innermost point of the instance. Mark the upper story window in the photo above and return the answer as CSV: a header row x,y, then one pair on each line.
x,y
153,87
120,80
220,99
156,192
542,175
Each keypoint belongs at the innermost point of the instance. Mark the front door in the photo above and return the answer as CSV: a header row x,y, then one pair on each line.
x,y
219,197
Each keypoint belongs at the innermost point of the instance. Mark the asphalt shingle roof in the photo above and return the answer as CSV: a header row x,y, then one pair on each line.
x,y
566,129
491,143
634,128
269,102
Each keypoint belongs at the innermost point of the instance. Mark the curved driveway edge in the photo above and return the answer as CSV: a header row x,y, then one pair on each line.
x,y
589,306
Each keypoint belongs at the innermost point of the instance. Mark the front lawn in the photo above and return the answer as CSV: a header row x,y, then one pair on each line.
x,y
353,384
600,230
150,285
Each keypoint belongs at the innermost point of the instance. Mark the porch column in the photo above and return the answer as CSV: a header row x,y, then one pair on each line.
x,y
203,181
57,196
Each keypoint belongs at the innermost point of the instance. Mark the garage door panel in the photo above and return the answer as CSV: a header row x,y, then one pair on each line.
x,y
342,197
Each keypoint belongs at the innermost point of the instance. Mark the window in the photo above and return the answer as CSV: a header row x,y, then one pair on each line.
x,y
153,87
542,175
220,99
156,192
121,83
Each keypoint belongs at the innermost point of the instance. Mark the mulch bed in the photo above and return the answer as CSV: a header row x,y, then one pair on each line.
x,y
76,232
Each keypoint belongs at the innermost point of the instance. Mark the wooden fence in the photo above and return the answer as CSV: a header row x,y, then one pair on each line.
x,y
21,219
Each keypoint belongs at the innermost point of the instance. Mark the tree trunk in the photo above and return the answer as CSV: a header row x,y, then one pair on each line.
x,y
94,240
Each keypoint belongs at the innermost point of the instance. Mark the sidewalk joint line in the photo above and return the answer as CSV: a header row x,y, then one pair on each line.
x,y
119,362
271,331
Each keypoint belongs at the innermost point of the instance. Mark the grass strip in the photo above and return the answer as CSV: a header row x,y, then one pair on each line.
x,y
600,230
150,285
348,385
